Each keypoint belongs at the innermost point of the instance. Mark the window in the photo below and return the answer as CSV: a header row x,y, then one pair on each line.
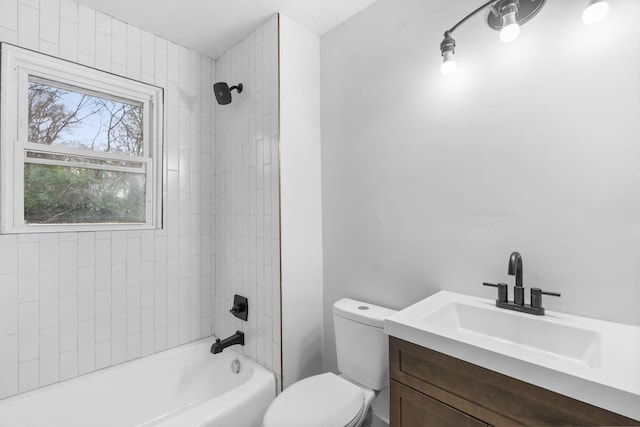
x,y
80,148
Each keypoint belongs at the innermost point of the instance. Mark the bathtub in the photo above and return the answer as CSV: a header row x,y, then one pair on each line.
x,y
183,387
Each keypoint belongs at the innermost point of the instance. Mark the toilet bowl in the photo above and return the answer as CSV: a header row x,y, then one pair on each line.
x,y
330,400
321,400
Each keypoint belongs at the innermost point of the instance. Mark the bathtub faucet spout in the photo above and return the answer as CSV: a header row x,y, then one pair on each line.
x,y
219,345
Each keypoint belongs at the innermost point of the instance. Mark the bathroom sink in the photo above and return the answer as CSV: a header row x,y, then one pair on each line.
x,y
571,343
587,359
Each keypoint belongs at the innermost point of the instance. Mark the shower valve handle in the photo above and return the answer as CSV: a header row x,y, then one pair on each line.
x,y
240,307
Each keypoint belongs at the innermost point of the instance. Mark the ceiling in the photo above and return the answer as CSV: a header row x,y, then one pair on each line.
x,y
213,26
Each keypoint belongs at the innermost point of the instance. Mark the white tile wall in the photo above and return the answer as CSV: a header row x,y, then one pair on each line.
x,y
71,303
246,252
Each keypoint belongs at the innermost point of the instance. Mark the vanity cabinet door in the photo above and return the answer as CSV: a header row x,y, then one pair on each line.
x,y
410,408
483,394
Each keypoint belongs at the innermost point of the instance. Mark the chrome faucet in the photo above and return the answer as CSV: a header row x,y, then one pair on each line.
x,y
515,269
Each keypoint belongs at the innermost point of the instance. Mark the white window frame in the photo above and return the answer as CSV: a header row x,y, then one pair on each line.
x,y
17,66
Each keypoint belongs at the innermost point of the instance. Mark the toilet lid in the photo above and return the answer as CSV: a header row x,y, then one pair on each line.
x,y
318,401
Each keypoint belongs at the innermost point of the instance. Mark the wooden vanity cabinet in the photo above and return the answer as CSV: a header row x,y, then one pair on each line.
x,y
429,388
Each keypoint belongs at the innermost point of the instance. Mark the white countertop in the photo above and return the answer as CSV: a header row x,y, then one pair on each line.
x,y
609,377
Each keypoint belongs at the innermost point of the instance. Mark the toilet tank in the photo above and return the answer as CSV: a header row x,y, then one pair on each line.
x,y
361,344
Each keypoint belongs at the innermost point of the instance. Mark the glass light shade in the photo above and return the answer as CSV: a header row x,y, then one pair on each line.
x,y
595,12
448,66
510,28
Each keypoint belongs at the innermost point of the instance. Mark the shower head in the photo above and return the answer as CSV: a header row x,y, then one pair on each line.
x,y
223,92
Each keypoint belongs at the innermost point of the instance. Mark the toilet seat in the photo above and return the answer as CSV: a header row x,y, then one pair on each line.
x,y
318,401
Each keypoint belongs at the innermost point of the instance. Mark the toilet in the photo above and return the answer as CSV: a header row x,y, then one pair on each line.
x,y
341,400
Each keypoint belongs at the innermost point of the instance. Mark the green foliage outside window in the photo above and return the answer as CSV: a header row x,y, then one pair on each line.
x,y
65,195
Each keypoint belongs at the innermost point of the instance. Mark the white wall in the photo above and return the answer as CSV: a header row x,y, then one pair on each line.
x,y
301,207
247,228
430,183
71,303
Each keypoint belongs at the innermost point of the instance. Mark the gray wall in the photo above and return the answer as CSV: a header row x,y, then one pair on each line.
x,y
429,182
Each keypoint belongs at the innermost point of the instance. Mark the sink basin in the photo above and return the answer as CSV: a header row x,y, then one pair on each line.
x,y
574,344
591,360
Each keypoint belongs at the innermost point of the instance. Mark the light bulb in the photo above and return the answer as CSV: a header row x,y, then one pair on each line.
x,y
447,49
595,12
510,28
448,66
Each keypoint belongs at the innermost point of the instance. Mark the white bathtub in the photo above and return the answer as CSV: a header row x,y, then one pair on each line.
x,y
183,387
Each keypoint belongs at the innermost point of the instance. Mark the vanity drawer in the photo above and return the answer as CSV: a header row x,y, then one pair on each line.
x,y
487,395
414,409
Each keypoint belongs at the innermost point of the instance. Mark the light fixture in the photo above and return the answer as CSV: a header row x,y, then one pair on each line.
x,y
595,11
505,16
510,27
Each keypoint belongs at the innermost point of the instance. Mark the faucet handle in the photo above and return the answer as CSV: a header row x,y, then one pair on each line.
x,y
536,296
240,307
503,290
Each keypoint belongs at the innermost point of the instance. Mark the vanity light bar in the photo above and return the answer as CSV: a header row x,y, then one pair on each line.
x,y
507,16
